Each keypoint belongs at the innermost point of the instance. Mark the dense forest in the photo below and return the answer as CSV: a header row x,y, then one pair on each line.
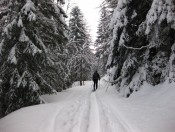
x,y
40,53
139,42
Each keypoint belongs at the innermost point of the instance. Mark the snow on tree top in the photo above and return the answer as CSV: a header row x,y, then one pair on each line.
x,y
62,11
160,11
119,14
1,44
20,23
29,7
9,27
12,57
23,37
31,48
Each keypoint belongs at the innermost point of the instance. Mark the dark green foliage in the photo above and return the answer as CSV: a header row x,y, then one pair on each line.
x,y
142,39
80,57
32,36
103,39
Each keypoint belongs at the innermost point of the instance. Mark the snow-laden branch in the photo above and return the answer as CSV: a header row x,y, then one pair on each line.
x,y
81,30
146,46
129,47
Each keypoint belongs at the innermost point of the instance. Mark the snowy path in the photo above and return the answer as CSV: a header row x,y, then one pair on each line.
x,y
70,117
78,109
94,122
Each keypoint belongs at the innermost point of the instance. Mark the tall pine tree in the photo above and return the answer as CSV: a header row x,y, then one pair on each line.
x,y
103,39
81,56
33,29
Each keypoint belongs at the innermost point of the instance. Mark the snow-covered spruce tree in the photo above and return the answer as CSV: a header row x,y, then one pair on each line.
x,y
32,29
102,42
143,35
80,56
123,61
160,30
103,39
109,4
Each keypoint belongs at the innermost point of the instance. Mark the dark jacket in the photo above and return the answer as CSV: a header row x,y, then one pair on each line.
x,y
96,76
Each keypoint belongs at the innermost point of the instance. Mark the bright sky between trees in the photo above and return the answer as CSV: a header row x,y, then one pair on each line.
x,y
90,9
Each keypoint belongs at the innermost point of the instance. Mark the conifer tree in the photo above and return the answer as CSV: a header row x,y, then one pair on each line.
x,y
81,57
143,37
32,33
110,5
103,39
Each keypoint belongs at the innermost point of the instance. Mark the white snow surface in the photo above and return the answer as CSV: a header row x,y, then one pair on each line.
x,y
78,109
23,37
12,57
29,9
20,23
1,45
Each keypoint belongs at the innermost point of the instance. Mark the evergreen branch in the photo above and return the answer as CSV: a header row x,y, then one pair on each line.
x,y
128,47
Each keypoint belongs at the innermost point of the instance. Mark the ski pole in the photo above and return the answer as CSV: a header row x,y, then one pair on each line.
x,y
107,87
99,84
92,85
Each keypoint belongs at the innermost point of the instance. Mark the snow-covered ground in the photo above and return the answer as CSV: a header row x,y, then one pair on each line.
x,y
78,109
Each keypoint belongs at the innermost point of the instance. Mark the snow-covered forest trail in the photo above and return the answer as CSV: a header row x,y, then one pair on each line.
x,y
84,111
79,109
73,116
94,122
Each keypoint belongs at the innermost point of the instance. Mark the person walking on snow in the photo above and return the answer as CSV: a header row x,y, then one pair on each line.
x,y
96,77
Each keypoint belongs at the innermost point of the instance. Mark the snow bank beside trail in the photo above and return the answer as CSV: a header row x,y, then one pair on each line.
x,y
64,113
152,109
26,119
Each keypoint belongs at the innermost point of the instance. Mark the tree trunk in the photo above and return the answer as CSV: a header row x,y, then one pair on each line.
x,y
81,74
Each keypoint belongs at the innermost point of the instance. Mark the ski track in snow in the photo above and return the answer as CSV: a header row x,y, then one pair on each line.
x,y
111,122
76,112
94,125
83,115
87,113
79,109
